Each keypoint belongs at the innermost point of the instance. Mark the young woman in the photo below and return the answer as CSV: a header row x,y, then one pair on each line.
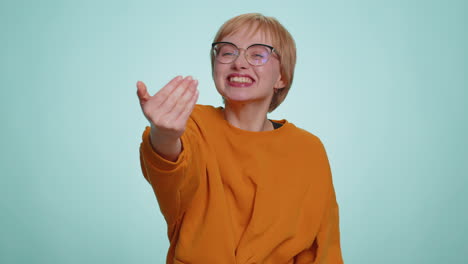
x,y
234,186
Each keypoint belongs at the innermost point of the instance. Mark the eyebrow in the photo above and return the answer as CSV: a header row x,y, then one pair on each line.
x,y
227,42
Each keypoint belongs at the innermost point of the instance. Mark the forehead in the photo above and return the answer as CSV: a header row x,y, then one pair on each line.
x,y
248,35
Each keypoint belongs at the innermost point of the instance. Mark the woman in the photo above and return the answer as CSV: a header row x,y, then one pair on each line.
x,y
234,186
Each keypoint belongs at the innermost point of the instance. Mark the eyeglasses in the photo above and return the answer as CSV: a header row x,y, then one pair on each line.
x,y
256,54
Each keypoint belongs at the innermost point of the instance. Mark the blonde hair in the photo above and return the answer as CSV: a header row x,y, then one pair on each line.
x,y
282,41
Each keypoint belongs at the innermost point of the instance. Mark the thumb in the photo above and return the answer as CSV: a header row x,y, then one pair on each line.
x,y
142,92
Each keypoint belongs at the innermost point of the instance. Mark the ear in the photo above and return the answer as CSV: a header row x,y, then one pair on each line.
x,y
279,83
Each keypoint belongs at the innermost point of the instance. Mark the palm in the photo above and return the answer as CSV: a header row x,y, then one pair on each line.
x,y
169,109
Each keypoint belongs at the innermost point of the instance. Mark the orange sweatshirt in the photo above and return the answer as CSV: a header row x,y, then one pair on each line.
x,y
241,197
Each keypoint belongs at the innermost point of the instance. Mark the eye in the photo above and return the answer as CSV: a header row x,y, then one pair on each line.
x,y
227,54
258,52
227,50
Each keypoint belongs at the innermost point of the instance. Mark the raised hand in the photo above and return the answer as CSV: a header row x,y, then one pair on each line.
x,y
168,111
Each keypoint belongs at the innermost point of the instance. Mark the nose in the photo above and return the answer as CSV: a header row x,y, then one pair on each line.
x,y
241,61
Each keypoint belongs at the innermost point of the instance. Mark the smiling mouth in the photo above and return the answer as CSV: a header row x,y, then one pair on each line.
x,y
237,79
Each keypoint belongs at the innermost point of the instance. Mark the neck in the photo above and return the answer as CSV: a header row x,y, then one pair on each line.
x,y
247,116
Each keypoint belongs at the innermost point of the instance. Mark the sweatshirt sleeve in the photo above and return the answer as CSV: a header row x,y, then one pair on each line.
x,y
326,248
174,183
328,238
327,242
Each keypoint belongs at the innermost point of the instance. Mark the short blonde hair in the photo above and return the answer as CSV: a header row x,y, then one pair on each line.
x,y
282,40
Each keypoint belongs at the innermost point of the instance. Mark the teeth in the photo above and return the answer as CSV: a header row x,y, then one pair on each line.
x,y
240,79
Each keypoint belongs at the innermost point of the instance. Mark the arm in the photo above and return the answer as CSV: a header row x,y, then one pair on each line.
x,y
174,182
168,111
166,150
328,238
326,248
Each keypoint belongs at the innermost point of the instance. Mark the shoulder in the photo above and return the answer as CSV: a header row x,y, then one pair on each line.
x,y
304,137
308,145
312,152
205,111
204,117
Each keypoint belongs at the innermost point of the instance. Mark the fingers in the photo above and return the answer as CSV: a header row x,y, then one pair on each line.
x,y
174,98
170,86
171,106
142,92
188,108
185,98
144,96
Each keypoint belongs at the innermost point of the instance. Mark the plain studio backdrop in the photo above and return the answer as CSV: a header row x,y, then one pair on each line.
x,y
382,83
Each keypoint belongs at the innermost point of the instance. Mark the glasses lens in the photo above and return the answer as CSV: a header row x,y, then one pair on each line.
x,y
258,54
226,53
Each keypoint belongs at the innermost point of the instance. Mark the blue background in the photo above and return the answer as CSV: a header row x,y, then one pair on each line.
x,y
382,83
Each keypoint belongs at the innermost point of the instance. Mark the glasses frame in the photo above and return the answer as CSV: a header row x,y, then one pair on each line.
x,y
272,50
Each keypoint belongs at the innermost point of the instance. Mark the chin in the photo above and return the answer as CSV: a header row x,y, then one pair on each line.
x,y
238,98
239,95
244,98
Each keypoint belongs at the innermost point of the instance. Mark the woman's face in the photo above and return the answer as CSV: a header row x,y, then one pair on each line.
x,y
240,81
